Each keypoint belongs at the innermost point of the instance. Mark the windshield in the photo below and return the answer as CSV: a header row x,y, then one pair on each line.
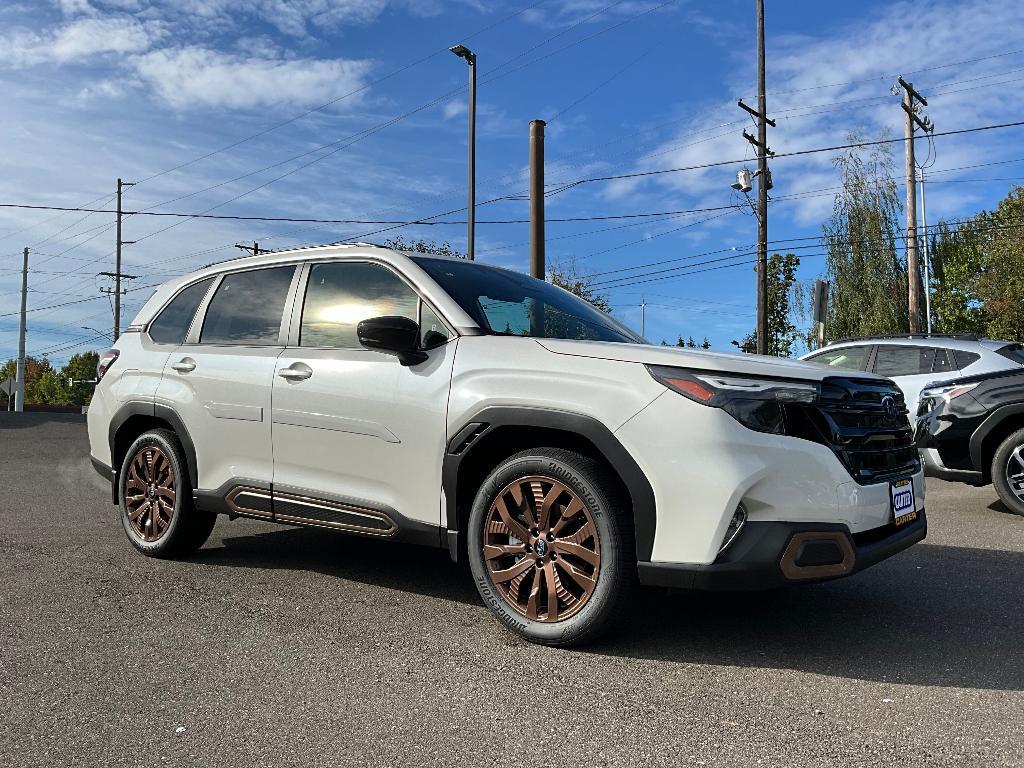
x,y
511,304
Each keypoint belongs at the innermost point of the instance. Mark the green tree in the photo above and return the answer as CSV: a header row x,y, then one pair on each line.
x,y
1000,286
868,294
572,280
81,367
957,262
398,243
782,300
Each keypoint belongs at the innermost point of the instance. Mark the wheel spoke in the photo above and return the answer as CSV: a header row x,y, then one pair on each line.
x,y
551,580
492,551
566,547
499,577
509,519
166,493
572,509
137,513
547,504
533,602
583,581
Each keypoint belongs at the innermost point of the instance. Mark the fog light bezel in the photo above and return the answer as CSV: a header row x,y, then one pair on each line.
x,y
731,533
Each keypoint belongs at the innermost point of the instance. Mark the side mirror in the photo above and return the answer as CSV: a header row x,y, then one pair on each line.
x,y
392,334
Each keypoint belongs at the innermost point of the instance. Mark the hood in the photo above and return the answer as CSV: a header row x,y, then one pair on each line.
x,y
648,354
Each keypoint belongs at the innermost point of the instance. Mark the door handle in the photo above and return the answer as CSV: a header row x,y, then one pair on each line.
x,y
185,365
296,372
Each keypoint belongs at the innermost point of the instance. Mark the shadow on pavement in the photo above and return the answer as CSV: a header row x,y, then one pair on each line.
x,y
396,566
934,615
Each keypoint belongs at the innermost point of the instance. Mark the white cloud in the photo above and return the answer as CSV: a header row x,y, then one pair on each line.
x,y
194,76
453,109
77,40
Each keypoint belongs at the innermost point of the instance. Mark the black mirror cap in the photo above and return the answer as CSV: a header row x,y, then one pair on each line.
x,y
392,334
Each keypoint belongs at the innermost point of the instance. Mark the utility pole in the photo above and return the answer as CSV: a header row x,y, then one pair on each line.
x,y
19,393
464,53
643,315
117,261
537,266
764,183
910,120
254,249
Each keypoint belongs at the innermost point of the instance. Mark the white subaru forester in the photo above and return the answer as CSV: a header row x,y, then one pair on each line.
x,y
457,405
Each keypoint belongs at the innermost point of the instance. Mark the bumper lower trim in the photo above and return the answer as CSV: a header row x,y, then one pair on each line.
x,y
933,467
755,560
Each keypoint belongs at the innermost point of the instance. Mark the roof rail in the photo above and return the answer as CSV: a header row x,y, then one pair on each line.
x,y
961,336
270,251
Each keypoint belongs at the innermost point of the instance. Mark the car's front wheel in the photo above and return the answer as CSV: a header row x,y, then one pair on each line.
x,y
550,547
157,510
1008,472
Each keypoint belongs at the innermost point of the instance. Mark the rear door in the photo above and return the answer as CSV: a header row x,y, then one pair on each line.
x,y
355,427
219,380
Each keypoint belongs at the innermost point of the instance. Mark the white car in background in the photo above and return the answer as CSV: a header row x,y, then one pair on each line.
x,y
914,361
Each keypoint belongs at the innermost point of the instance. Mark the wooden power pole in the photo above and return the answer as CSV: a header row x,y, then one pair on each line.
x,y
117,262
537,266
910,122
764,183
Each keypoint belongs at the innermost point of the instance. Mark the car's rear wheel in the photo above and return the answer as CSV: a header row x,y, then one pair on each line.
x,y
550,547
1008,472
157,510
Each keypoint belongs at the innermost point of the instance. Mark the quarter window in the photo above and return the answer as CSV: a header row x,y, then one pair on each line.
x,y
171,325
341,294
943,362
247,307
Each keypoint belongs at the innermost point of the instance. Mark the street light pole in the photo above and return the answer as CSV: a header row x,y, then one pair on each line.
x,y
464,53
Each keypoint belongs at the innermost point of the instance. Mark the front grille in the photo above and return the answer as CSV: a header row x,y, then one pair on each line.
x,y
868,432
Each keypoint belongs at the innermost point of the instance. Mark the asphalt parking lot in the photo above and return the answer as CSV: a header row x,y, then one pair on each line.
x,y
277,646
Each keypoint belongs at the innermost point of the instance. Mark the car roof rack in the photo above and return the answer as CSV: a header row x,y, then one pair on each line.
x,y
960,336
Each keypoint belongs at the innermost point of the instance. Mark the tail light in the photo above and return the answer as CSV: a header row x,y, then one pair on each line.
x,y
106,360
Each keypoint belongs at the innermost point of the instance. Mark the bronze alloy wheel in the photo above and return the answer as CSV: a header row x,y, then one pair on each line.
x,y
541,548
149,493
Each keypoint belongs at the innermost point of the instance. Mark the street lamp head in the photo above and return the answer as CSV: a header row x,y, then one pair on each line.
x,y
463,53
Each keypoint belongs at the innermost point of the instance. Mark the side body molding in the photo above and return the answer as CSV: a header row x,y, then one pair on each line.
x,y
470,433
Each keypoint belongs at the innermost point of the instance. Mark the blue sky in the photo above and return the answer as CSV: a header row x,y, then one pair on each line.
x,y
93,90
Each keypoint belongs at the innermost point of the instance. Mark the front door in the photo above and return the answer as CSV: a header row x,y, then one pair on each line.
x,y
355,427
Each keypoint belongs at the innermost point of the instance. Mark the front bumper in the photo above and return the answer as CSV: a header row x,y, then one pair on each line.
x,y
770,554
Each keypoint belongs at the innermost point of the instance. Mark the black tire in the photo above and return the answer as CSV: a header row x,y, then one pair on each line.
x,y
602,509
1009,456
188,528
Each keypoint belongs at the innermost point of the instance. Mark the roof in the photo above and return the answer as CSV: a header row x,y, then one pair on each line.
x,y
964,341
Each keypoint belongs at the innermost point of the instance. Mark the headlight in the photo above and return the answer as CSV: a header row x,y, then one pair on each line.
x,y
930,396
757,403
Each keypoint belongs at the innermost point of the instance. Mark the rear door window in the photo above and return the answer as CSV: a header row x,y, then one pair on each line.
x,y
850,358
171,325
902,360
248,307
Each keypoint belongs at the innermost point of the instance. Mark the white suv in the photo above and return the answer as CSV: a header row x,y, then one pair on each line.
x,y
447,403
